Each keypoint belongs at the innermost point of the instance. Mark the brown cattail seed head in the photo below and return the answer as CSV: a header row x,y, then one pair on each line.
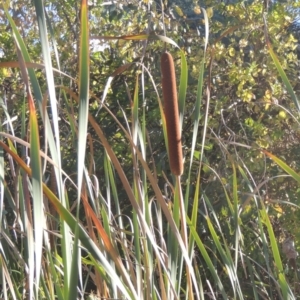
x,y
171,113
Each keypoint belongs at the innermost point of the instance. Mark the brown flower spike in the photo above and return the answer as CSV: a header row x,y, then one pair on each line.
x,y
171,113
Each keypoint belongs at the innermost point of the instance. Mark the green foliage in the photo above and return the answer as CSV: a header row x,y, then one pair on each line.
x,y
110,203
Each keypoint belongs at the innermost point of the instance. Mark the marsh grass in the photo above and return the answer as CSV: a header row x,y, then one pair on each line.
x,y
65,231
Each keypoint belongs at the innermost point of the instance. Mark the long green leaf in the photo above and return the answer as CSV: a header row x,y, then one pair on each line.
x,y
278,263
283,166
182,87
207,258
37,192
82,131
283,76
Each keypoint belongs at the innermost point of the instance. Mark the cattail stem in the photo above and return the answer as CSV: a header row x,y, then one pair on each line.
x,y
171,113
184,236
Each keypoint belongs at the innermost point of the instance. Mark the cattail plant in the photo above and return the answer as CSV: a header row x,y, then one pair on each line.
x,y
174,140
171,113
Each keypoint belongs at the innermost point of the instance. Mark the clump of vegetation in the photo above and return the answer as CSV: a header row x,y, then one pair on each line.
x,y
118,183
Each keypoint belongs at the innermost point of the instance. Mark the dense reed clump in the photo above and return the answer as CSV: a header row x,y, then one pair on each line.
x,y
171,113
